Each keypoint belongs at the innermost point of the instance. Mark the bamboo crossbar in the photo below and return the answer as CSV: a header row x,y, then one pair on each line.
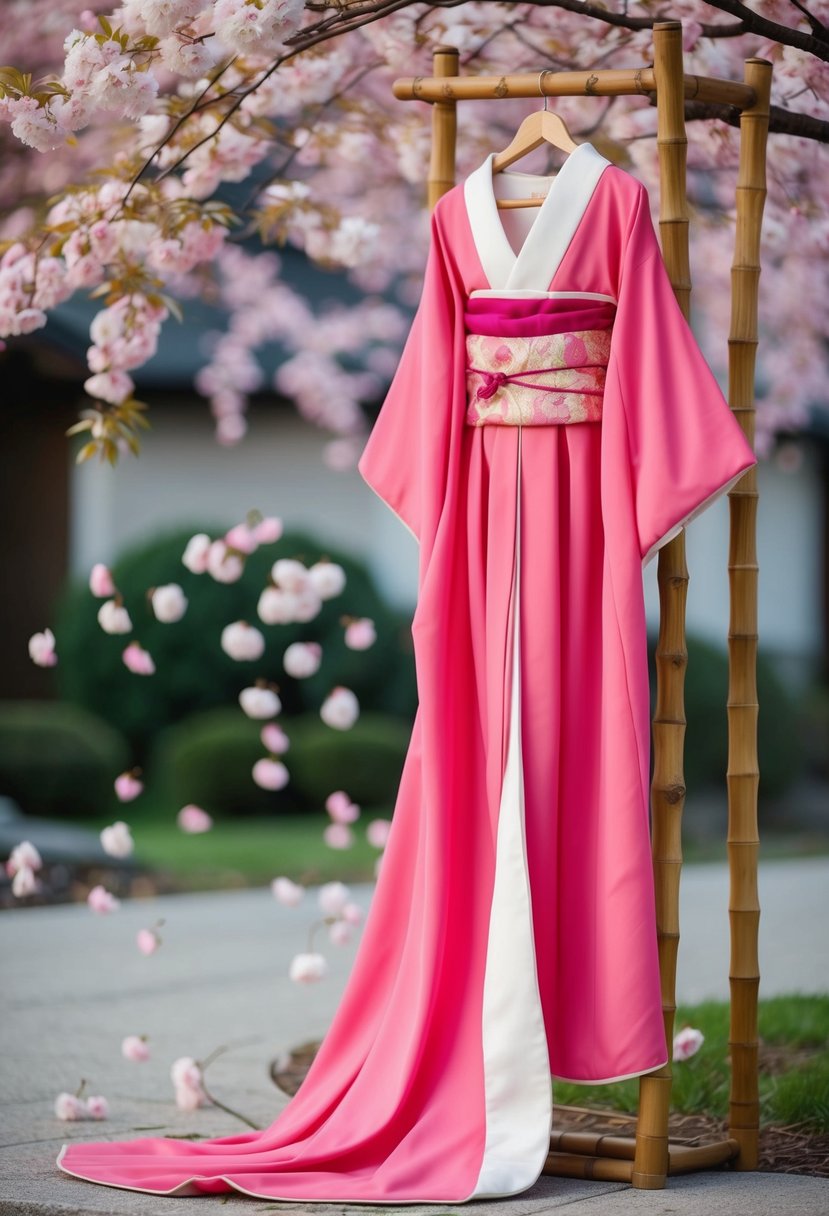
x,y
682,1158
610,82
646,1160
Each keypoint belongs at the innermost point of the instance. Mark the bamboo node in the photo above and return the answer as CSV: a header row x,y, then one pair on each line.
x,y
501,88
590,85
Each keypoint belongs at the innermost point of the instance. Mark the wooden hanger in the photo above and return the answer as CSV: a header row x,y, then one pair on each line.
x,y
541,127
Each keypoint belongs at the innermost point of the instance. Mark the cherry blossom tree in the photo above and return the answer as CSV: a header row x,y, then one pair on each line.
x,y
125,126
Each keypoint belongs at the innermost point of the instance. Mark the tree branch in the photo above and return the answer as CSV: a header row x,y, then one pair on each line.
x,y
781,121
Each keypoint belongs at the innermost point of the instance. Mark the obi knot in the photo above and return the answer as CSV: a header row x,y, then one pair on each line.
x,y
492,382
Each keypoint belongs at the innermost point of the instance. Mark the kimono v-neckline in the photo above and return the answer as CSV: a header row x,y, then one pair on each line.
x,y
532,268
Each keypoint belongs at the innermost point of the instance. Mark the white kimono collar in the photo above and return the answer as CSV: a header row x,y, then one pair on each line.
x,y
533,268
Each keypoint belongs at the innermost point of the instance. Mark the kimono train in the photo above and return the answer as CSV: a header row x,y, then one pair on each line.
x,y
551,424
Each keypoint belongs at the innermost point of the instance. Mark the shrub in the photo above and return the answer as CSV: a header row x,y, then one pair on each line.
x,y
365,761
59,759
192,671
208,758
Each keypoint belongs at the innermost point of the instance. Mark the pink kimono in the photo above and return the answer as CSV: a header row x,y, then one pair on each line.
x,y
552,423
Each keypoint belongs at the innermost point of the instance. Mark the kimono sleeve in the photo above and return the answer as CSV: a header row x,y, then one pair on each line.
x,y
401,460
686,447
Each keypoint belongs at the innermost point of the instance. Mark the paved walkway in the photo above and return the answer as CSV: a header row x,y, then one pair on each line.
x,y
74,985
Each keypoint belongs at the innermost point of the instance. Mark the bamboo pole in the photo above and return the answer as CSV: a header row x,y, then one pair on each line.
x,y
444,128
668,784
743,771
600,1169
610,82
688,1157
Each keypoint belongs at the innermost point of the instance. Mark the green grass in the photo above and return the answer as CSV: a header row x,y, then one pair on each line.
x,y
794,1089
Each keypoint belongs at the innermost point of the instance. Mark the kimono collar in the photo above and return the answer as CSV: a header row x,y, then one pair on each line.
x,y
553,227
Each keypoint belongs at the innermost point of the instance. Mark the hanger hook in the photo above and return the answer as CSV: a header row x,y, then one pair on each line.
x,y
541,76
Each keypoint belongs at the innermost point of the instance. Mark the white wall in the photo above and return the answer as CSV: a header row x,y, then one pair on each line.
x,y
183,475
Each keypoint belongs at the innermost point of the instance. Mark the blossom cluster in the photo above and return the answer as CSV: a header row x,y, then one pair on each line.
x,y
214,90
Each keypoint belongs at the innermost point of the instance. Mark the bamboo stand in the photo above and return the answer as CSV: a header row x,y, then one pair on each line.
x,y
647,1160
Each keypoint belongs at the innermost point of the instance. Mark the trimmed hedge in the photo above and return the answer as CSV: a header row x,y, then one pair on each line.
x,y
208,758
59,760
366,761
192,671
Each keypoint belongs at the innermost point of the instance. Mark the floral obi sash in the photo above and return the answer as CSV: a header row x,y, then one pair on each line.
x,y
534,361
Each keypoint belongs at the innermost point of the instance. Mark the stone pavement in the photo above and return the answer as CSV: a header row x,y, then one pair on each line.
x,y
74,985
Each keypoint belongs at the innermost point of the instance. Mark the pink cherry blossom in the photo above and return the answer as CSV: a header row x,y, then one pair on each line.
x,y
242,642
333,897
687,1043
127,787
377,832
302,659
338,836
147,941
25,882
23,855
34,125
360,634
186,1075
287,892
69,1107
97,1107
306,604
256,29
169,602
307,968
100,580
289,574
113,386
241,537
223,566
277,606
352,913
274,738
138,660
102,901
260,702
340,709
42,649
134,1047
268,530
117,839
340,932
196,552
327,578
114,618
341,808
270,774
192,818
161,17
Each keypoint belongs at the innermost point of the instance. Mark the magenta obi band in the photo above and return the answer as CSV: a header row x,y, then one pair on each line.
x,y
542,380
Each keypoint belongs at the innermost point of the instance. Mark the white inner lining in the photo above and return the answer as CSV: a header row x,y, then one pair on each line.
x,y
517,1082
